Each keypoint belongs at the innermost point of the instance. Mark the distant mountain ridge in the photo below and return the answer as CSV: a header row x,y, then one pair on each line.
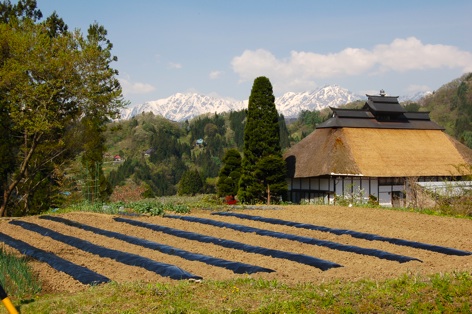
x,y
181,107
291,104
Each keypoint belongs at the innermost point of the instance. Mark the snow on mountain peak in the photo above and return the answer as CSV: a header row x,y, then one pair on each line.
x,y
181,107
291,104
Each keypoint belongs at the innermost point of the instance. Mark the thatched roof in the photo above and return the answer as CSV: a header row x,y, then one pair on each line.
x,y
377,153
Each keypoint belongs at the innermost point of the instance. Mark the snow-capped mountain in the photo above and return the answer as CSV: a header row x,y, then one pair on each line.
x,y
181,107
415,97
291,104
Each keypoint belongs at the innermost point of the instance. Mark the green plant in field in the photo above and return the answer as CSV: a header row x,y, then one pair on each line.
x,y
150,208
156,208
16,276
109,208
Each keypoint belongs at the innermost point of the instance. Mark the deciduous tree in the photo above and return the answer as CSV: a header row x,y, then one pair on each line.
x,y
50,79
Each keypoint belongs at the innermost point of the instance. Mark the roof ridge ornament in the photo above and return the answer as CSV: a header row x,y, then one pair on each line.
x,y
382,93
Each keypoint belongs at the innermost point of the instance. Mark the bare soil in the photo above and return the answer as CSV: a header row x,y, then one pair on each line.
x,y
443,231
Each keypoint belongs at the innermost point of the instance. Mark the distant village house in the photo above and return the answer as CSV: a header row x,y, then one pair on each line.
x,y
200,142
148,152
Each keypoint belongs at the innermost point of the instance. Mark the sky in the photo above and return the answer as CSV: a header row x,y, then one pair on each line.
x,y
218,47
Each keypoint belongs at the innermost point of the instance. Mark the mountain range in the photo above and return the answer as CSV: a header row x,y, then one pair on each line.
x,y
181,107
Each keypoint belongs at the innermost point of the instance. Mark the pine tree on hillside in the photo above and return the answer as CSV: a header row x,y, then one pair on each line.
x,y
191,183
228,179
261,143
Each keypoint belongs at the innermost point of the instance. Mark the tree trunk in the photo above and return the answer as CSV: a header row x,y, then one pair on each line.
x,y
268,194
3,206
23,168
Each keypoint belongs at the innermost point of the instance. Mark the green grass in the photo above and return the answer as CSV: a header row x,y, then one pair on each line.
x,y
440,293
16,276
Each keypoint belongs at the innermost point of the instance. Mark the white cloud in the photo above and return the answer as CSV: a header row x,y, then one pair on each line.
x,y
302,68
174,65
418,88
215,75
135,87
411,54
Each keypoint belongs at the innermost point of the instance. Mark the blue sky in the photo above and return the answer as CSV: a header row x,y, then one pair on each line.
x,y
218,47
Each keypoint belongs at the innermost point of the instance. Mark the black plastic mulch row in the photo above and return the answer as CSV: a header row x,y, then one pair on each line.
x,y
300,258
162,269
302,239
355,234
236,267
79,273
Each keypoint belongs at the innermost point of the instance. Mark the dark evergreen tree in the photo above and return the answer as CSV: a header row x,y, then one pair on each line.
x,y
237,123
228,179
124,171
271,172
412,107
191,183
208,164
261,141
284,133
96,184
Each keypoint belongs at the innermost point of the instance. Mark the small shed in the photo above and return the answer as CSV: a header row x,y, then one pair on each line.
x,y
199,142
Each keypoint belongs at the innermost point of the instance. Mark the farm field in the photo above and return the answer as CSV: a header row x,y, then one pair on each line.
x,y
338,251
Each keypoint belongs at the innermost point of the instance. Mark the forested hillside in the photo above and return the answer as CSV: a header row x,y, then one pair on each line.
x,y
155,152
451,107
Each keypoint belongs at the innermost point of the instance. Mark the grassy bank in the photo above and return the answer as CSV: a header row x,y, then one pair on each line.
x,y
440,293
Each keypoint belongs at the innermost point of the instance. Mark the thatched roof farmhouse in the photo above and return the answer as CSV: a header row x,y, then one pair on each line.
x,y
373,152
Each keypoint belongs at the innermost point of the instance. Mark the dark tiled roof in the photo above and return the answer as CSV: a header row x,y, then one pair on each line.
x,y
383,104
381,112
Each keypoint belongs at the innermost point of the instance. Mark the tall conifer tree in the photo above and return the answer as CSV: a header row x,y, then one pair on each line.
x,y
261,144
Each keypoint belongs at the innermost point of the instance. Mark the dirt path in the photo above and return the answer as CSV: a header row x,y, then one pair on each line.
x,y
441,231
